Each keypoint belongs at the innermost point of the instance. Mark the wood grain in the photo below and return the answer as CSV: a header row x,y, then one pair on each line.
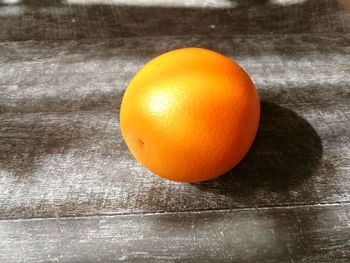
x,y
300,234
51,76
71,192
55,20
62,153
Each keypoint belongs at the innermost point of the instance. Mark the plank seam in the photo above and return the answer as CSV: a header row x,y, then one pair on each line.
x,y
199,211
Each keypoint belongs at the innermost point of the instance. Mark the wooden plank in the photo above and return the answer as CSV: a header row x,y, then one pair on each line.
x,y
61,152
54,19
77,164
62,155
298,234
75,75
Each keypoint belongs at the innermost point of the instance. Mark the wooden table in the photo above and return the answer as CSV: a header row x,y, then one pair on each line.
x,y
71,192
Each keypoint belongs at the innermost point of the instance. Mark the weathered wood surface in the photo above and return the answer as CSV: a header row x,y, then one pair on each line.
x,y
62,155
300,234
53,19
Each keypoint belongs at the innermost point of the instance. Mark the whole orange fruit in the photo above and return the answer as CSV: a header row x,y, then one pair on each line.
x,y
190,115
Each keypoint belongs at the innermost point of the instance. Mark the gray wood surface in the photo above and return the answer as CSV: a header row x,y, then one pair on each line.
x,y
70,191
53,19
299,234
63,155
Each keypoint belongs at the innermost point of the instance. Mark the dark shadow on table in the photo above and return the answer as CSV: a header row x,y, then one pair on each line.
x,y
286,153
282,163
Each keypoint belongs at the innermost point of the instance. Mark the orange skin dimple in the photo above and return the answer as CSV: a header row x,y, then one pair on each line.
x,y
190,115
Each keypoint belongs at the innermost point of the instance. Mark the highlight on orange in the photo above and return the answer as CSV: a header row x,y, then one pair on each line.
x,y
190,115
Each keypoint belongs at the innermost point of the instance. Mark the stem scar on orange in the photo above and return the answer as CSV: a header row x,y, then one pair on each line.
x,y
190,115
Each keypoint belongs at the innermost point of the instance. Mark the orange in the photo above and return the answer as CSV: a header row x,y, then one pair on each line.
x,y
190,115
